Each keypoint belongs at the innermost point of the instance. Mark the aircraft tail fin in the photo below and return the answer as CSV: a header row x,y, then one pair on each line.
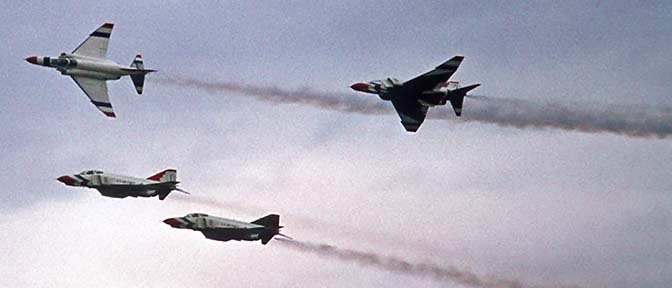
x,y
137,62
270,221
139,72
456,97
168,175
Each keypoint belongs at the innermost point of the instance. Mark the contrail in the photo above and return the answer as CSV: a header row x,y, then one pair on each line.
x,y
399,265
631,121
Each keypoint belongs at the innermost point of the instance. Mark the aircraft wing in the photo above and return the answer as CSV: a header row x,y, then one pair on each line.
x,y
97,91
432,80
95,45
411,112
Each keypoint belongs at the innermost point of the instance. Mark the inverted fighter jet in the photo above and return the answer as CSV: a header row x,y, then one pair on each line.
x,y
413,98
90,69
119,186
222,229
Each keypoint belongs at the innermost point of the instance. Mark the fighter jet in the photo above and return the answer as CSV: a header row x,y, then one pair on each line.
x,y
90,69
413,98
222,229
119,186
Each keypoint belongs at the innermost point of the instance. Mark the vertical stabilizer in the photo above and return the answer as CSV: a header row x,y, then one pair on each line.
x,y
271,221
456,97
272,226
168,175
138,79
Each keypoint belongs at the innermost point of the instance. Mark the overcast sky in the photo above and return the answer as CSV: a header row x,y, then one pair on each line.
x,y
546,207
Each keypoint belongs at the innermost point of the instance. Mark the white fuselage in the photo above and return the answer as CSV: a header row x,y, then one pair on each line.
x,y
118,186
198,221
223,229
98,179
78,65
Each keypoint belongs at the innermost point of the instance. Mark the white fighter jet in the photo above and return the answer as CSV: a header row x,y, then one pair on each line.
x,y
222,229
90,69
119,186
413,98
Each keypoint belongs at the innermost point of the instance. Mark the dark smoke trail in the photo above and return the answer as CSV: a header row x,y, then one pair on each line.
x,y
449,274
632,121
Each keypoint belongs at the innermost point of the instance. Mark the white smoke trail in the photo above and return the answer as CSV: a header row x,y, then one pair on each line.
x,y
631,121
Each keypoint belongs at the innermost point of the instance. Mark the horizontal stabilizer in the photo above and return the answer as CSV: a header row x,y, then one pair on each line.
x,y
139,71
466,89
265,239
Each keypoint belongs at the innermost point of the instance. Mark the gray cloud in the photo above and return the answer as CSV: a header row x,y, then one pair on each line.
x,y
631,121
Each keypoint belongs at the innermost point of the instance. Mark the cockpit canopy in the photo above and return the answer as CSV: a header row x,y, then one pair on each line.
x,y
387,83
62,62
90,172
196,215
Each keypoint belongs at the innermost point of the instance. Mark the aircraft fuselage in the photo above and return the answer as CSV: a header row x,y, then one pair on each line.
x,y
391,89
120,186
223,229
77,65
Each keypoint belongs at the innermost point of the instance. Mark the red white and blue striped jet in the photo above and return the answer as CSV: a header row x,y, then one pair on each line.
x,y
120,186
91,70
413,98
223,229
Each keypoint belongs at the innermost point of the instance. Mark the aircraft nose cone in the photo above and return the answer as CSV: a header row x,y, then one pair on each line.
x,y
173,222
32,59
67,180
360,87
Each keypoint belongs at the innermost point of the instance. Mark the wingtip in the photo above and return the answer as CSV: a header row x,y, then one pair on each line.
x,y
452,62
110,114
108,25
410,128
